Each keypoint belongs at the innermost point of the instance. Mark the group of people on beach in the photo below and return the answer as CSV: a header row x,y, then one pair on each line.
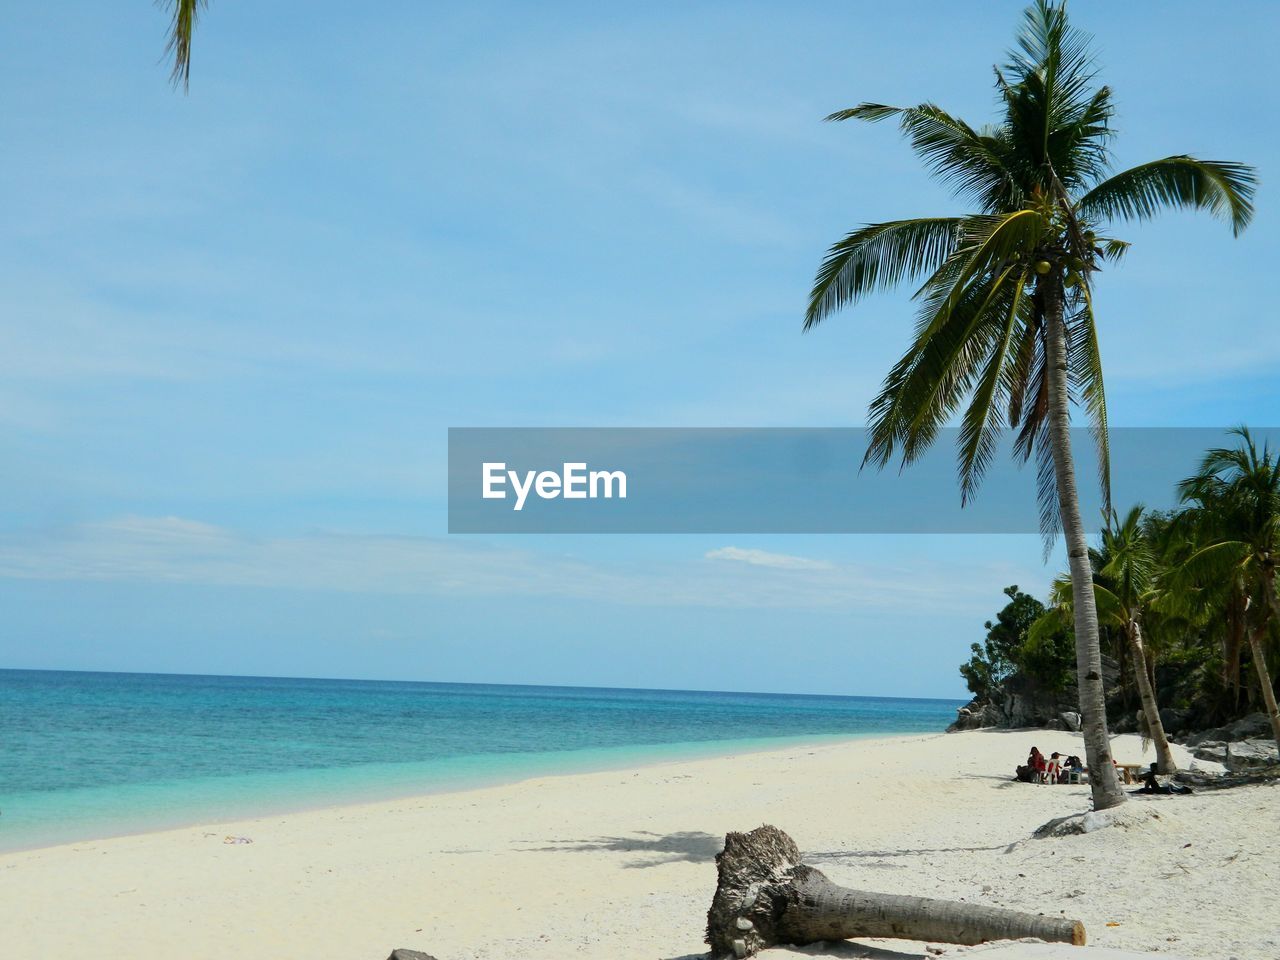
x,y
1059,768
1055,768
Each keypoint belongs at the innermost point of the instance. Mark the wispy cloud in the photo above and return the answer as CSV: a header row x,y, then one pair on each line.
x,y
181,550
763,558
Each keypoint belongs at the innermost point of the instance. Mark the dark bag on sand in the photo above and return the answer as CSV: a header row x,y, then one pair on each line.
x,y
1167,789
1024,774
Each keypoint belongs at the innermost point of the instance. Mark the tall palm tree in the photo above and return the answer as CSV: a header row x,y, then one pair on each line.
x,y
1237,493
1007,315
1125,586
183,16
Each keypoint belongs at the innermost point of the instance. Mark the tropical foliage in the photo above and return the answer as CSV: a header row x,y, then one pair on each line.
x,y
1187,600
1007,331
1009,649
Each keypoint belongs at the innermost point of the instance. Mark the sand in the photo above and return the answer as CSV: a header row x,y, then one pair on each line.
x,y
620,863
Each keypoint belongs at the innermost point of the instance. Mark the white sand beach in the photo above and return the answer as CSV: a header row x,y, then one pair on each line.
x,y
620,863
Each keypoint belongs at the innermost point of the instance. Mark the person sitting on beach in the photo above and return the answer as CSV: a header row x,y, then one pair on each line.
x,y
1149,782
1152,785
1031,770
1053,769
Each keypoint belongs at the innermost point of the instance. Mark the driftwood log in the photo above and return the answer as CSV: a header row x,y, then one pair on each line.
x,y
766,896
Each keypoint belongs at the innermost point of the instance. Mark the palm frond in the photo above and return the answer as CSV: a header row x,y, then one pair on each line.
x,y
946,382
1127,559
931,378
1045,86
1084,365
1108,605
1112,250
1047,502
1224,188
972,162
184,14
979,429
1217,562
877,257
990,243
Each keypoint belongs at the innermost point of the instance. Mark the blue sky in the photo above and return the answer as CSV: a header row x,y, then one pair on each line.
x,y
235,326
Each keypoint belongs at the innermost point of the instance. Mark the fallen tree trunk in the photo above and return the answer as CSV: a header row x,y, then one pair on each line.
x,y
766,896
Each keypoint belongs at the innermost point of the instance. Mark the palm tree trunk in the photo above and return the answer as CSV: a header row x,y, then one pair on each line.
x,y
1150,709
1260,660
765,896
1103,782
1264,681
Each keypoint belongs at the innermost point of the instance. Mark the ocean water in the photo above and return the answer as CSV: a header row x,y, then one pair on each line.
x,y
85,755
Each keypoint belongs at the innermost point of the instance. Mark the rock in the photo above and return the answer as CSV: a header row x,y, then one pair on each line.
x,y
1244,755
1124,724
1070,719
966,718
1208,767
1174,720
1254,726
1125,817
974,715
402,954
991,715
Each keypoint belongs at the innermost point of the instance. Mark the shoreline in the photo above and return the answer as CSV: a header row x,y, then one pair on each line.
x,y
621,862
715,751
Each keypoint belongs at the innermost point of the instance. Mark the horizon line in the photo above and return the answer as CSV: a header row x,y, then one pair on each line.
x,y
480,683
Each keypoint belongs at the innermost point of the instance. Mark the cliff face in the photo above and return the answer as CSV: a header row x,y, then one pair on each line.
x,y
1018,708
1022,701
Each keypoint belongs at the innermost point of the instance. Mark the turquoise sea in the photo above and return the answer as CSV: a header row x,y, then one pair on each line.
x,y
86,755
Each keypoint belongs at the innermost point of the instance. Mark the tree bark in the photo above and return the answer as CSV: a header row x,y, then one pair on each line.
x,y
1150,708
1103,782
766,896
1264,681
1260,660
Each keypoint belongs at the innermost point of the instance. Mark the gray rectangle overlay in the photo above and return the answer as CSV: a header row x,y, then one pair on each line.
x,y
779,480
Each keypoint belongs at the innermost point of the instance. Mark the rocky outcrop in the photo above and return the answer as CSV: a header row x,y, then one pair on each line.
x,y
975,715
1021,703
1240,755
1175,722
403,954
1253,727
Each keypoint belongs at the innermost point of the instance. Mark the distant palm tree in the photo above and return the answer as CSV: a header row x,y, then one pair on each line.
x,y
183,21
1126,585
1237,495
1007,314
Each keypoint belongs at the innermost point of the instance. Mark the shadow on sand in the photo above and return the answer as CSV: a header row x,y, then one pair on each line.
x,y
837,950
837,855
687,846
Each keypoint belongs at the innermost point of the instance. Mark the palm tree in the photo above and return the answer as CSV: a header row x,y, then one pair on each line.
x,y
1212,612
1237,493
1125,586
1007,315
183,15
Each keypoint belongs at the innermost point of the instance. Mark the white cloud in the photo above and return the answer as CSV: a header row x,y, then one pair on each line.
x,y
179,550
762,558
